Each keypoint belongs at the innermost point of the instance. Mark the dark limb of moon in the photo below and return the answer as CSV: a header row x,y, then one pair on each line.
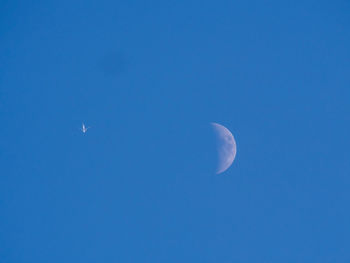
x,y
226,146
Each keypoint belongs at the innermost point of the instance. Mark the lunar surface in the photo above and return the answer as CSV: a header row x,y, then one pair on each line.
x,y
226,146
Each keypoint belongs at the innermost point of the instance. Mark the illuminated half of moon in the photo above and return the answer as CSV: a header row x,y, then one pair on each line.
x,y
226,146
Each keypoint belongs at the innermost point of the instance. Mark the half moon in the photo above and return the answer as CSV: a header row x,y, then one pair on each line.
x,y
226,146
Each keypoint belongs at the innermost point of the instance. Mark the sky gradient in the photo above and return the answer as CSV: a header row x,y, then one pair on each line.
x,y
149,78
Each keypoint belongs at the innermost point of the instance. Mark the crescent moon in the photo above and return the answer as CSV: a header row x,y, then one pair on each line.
x,y
226,146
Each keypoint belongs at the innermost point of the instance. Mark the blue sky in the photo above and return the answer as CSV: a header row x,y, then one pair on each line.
x,y
149,77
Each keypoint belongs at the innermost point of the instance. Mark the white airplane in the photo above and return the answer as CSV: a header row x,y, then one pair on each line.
x,y
84,128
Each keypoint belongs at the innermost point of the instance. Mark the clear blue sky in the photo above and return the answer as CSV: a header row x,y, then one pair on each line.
x,y
149,77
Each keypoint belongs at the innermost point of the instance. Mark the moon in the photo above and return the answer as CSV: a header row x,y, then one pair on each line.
x,y
226,147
